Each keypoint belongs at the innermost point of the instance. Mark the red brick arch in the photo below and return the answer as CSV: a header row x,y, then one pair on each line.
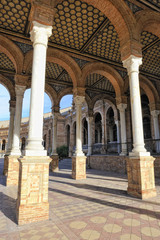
x,y
61,58
110,73
66,91
148,21
51,93
13,52
124,22
150,90
9,85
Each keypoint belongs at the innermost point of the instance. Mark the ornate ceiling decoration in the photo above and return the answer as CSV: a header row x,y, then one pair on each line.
x,y
14,14
5,63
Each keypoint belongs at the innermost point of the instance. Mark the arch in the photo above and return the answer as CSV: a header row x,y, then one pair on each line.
x,y
147,21
61,58
9,85
120,15
103,97
13,52
110,73
112,105
51,93
149,89
64,92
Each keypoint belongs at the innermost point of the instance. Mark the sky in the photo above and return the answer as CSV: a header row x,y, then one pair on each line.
x,y
66,101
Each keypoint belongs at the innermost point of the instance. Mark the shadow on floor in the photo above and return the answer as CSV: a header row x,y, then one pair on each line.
x,y
146,212
111,191
8,207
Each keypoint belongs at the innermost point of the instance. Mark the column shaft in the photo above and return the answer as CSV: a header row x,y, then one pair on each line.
x,y
132,64
90,122
39,36
10,131
17,120
54,133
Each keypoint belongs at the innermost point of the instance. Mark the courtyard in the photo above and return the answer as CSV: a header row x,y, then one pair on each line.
x,y
95,208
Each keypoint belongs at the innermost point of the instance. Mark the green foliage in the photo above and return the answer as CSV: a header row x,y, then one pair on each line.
x,y
62,151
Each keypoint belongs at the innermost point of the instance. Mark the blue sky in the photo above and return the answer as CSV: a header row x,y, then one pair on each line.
x,y
66,101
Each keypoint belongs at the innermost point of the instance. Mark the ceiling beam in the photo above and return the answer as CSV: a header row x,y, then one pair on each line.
x,y
61,75
152,44
95,34
94,84
150,5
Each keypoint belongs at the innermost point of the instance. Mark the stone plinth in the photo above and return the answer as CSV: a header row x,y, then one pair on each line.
x,y
141,179
79,167
32,201
13,170
54,163
5,168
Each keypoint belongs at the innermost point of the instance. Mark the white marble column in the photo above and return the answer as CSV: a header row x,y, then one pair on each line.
x,y
54,132
17,120
155,114
78,103
118,135
122,107
132,64
90,122
39,36
11,127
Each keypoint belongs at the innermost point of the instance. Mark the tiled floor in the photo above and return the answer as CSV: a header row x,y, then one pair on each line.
x,y
95,208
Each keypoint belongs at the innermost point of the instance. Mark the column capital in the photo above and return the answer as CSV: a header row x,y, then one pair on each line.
x,y
21,79
132,63
79,100
90,112
80,91
122,107
117,122
90,119
40,33
55,109
19,90
155,113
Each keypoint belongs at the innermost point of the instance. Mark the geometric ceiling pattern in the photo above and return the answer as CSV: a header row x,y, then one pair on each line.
x,y
155,2
106,45
97,81
6,63
14,14
151,54
151,60
56,73
74,23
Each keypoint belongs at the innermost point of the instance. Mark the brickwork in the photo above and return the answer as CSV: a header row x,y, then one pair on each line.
x,y
107,163
78,167
13,170
32,202
141,180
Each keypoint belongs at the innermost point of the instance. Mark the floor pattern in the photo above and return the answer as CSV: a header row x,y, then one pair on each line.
x,y
97,208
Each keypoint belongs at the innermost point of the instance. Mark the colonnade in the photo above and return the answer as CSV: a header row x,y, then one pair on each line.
x,y
30,172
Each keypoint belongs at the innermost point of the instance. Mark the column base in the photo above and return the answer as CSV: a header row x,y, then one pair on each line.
x,y
32,201
5,167
79,167
54,163
13,170
141,179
